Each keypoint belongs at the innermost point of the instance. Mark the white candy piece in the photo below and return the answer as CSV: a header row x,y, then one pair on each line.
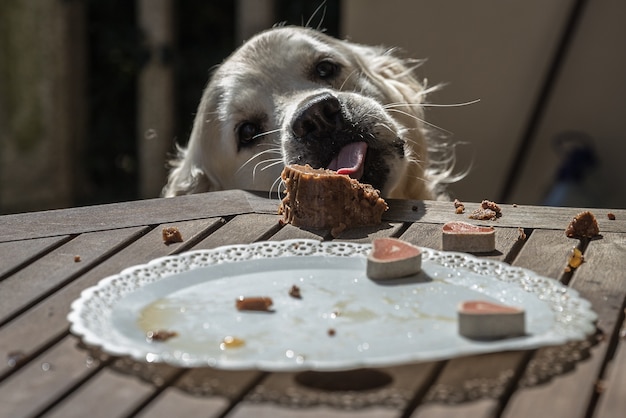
x,y
463,236
484,320
392,258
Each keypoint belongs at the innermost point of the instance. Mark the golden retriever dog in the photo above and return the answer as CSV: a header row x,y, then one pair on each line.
x,y
293,95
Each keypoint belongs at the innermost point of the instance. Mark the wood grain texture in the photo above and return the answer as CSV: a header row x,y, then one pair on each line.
x,y
123,215
46,321
57,268
601,280
44,379
44,284
14,255
235,202
611,386
243,229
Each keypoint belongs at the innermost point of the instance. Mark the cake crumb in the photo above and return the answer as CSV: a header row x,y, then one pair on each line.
x,y
77,259
488,211
584,225
459,207
171,235
611,216
294,292
160,335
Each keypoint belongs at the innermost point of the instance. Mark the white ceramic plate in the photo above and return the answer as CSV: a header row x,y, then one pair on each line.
x,y
373,323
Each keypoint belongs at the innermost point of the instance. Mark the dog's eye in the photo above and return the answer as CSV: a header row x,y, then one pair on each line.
x,y
247,133
326,69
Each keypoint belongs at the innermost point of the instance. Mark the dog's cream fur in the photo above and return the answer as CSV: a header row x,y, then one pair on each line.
x,y
261,90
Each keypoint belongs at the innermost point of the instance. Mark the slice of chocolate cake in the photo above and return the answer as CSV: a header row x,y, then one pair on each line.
x,y
322,199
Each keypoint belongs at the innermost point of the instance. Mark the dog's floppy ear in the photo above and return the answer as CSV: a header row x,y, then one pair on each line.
x,y
189,169
185,177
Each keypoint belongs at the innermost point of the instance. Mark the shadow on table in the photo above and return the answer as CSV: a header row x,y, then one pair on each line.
x,y
486,376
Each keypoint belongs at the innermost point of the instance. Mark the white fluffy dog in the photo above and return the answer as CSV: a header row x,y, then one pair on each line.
x,y
295,95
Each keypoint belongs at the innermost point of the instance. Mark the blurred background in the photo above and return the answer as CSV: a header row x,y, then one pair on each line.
x,y
95,93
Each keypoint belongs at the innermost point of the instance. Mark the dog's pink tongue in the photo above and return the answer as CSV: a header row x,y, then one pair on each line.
x,y
350,160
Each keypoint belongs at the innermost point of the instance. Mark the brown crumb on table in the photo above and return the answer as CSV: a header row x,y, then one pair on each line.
x,y
331,332
171,235
459,206
160,335
77,259
611,216
522,234
294,292
584,225
488,211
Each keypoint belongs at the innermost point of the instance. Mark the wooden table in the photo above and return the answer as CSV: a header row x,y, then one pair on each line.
x,y
46,371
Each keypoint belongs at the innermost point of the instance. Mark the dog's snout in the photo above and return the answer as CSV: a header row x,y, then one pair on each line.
x,y
318,117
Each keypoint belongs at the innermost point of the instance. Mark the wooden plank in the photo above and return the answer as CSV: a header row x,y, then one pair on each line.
x,y
176,403
482,408
123,393
601,280
122,215
513,216
276,411
242,229
279,393
234,202
45,378
14,255
475,381
201,389
263,202
368,233
46,321
57,268
612,401
293,232
546,253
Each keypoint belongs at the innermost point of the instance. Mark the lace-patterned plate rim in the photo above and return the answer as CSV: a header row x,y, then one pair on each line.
x,y
90,311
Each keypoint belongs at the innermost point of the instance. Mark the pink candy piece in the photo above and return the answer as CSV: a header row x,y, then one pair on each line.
x,y
488,320
393,258
463,236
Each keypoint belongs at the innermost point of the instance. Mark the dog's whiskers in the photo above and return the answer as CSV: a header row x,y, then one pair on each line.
x,y
346,80
259,154
277,183
273,131
400,104
425,122
270,163
319,25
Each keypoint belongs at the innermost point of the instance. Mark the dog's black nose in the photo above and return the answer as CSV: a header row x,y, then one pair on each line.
x,y
318,117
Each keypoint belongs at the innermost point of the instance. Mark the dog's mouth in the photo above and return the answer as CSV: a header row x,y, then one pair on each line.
x,y
350,160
